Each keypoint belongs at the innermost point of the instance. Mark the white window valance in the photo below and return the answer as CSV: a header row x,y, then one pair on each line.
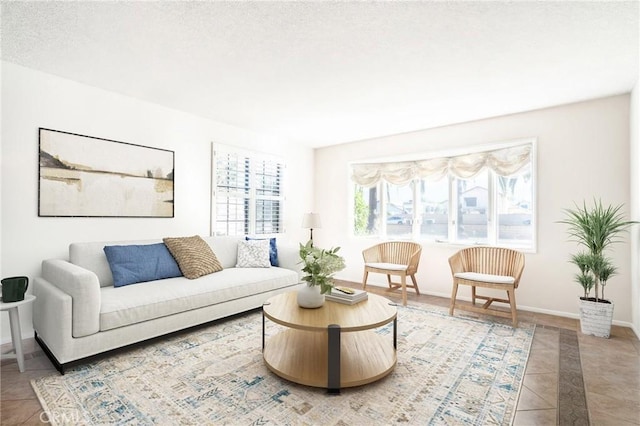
x,y
504,162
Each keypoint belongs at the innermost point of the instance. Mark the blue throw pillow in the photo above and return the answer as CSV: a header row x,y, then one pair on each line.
x,y
138,263
273,250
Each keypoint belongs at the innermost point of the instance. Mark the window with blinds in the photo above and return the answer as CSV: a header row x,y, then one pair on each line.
x,y
248,196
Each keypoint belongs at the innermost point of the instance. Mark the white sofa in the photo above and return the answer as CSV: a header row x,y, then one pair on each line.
x,y
79,313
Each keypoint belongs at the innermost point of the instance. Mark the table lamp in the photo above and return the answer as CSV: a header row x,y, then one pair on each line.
x,y
311,221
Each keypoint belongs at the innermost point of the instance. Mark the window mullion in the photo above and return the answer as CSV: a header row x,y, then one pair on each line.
x,y
383,208
416,217
453,210
492,213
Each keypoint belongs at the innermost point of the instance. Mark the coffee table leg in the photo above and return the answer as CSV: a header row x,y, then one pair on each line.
x,y
263,319
395,333
333,379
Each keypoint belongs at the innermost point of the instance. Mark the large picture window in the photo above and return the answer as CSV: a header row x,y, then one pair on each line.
x,y
484,197
248,197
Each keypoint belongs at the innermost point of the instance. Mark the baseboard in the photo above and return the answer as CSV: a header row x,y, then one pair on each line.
x,y
520,307
538,310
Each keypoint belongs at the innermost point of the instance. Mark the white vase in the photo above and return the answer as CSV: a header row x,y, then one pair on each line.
x,y
310,297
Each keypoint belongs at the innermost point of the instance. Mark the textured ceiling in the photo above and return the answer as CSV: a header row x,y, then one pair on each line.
x,y
323,73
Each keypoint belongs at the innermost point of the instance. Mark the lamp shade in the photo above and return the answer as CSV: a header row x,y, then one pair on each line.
x,y
311,221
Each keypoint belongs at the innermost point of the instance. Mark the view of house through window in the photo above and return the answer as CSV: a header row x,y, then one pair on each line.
x,y
434,197
399,203
248,198
472,208
515,208
479,198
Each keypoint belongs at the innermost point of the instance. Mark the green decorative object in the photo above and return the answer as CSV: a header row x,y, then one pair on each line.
x,y
14,288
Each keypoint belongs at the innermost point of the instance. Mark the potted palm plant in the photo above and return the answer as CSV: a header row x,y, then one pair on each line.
x,y
595,228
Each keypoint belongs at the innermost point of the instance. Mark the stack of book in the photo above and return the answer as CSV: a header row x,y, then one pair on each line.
x,y
346,295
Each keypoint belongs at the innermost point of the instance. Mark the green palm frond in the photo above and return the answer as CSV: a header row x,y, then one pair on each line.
x,y
595,228
582,260
586,281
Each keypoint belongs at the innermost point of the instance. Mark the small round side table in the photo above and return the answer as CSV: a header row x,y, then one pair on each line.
x,y
16,334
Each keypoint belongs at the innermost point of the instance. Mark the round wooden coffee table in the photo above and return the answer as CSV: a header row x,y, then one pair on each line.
x,y
331,347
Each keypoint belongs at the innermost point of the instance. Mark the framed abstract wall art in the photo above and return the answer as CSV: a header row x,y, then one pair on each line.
x,y
85,176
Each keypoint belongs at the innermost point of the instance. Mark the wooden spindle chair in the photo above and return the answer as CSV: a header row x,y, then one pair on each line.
x,y
399,258
487,267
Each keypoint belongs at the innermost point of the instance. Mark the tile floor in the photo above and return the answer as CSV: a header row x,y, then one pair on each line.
x,y
607,392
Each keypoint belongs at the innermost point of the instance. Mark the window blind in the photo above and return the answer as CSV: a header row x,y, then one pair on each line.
x,y
248,195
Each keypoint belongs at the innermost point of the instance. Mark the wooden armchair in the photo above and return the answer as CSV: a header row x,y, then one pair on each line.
x,y
393,258
487,267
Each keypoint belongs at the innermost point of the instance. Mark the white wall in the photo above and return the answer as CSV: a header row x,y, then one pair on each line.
x,y
635,207
583,151
32,99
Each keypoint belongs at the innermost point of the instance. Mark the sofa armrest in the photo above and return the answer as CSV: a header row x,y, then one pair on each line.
x,y
289,258
52,316
83,287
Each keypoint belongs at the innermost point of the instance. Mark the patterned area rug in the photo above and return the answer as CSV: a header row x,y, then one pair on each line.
x,y
450,371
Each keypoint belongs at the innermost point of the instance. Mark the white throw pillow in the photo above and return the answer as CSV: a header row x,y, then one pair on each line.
x,y
253,254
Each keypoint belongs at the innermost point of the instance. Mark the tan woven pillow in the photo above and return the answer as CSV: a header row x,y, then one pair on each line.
x,y
193,255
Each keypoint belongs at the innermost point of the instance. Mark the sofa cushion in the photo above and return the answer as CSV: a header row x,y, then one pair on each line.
x,y
91,256
487,278
389,266
225,248
253,254
133,264
132,304
194,256
273,250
